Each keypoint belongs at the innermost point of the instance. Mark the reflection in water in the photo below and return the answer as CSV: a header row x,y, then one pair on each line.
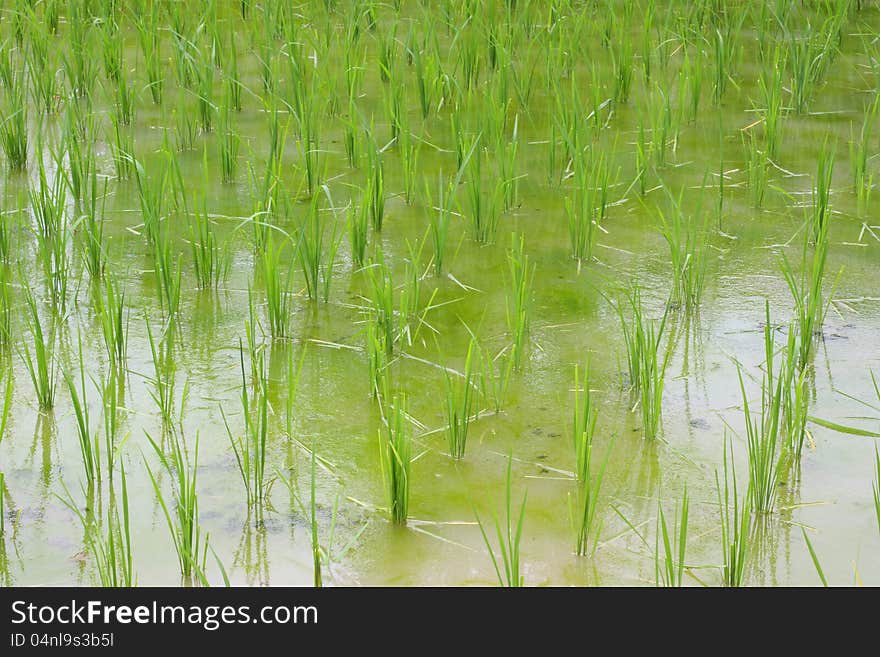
x,y
252,554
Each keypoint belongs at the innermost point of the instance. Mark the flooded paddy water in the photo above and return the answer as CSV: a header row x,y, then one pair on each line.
x,y
207,254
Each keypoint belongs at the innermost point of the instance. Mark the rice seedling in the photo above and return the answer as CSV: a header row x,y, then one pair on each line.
x,y
123,150
375,189
79,66
277,283
507,565
763,432
316,250
147,25
460,390
42,364
806,289
735,522
395,458
210,258
13,124
114,322
669,570
645,364
757,171
822,192
183,517
859,155
688,246
814,557
250,448
167,269
228,139
585,208
358,230
162,383
519,297
89,446
5,311
381,290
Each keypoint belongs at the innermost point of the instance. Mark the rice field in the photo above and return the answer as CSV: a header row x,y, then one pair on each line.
x,y
455,293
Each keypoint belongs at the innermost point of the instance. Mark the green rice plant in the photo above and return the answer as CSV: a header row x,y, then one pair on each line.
x,y
584,505
585,208
375,188
13,124
795,400
5,311
122,147
519,297
210,258
735,523
228,140
757,170
114,322
645,364
250,448
583,424
41,65
162,383
167,269
151,193
507,566
814,557
411,309
108,539
205,88
378,361
358,230
42,364
149,39
111,49
89,446
770,83
807,291
622,62
692,70
687,238
183,519
459,407
858,156
763,432
79,66
232,80
317,253
277,281
78,137
643,156
482,207
669,571
395,458
381,291
90,225
186,128
822,192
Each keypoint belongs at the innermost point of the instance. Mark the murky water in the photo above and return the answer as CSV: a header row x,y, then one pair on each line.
x,y
571,321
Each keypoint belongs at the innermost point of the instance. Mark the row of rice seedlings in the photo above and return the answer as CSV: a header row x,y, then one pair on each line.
x,y
183,517
645,364
688,249
519,298
395,448
460,397
807,290
669,570
507,565
250,447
